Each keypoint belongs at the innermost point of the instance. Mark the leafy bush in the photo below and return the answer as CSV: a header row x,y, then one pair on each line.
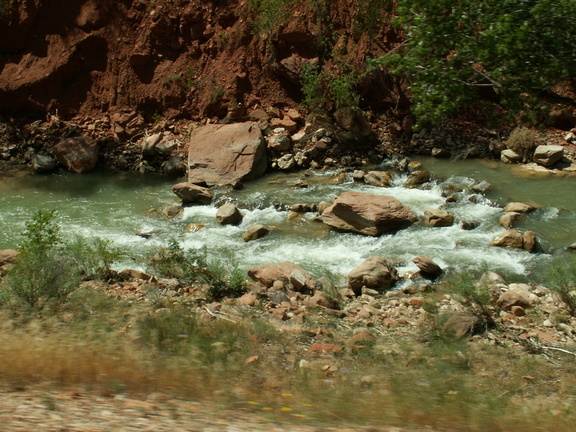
x,y
175,262
94,257
42,274
458,53
322,89
226,284
561,278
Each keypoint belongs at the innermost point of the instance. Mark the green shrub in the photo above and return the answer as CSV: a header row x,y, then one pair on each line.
x,y
269,14
175,262
94,257
168,329
475,297
225,284
42,274
561,279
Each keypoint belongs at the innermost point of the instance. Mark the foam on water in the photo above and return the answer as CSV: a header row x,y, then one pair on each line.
x,y
114,209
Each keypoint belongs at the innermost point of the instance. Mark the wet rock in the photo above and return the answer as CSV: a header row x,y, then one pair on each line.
x,y
368,214
78,154
43,164
358,175
481,187
378,178
226,154
303,208
417,178
510,238
323,205
510,156
438,218
228,214
193,227
192,193
255,232
428,268
519,207
171,212
375,273
439,152
548,155
509,219
529,241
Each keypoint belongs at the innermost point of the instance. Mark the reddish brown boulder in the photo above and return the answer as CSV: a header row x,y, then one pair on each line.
x,y
226,154
78,154
368,214
438,218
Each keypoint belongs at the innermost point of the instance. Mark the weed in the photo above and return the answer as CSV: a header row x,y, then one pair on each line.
x,y
175,262
369,16
94,257
475,297
269,14
314,96
167,329
225,284
216,95
561,279
523,141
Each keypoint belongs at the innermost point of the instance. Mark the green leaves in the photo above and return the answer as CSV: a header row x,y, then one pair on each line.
x,y
463,52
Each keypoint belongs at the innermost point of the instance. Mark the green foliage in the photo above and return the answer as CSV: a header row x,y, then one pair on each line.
x,y
168,329
175,262
269,14
224,283
369,16
324,90
457,52
475,297
42,274
6,7
561,278
94,257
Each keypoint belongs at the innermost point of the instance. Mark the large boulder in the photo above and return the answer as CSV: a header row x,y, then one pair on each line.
x,y
78,154
547,155
289,274
191,193
368,214
376,273
378,178
226,154
515,239
518,207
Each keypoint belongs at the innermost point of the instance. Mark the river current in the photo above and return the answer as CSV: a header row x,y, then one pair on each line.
x,y
114,206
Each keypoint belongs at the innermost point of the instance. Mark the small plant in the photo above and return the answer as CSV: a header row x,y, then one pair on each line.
x,y
269,14
523,141
561,279
42,274
175,262
225,284
168,329
474,297
94,257
216,95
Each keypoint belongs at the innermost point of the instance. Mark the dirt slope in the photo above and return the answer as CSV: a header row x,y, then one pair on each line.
x,y
175,58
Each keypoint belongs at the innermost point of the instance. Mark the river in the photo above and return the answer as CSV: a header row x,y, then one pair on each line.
x,y
114,206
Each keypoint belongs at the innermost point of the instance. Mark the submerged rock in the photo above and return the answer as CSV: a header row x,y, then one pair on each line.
x,y
368,214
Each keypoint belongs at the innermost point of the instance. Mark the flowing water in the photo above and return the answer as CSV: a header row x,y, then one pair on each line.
x,y
113,206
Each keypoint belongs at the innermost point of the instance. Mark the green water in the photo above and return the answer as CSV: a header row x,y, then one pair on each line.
x,y
114,206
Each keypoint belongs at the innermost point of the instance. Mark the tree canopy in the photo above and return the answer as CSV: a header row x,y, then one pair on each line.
x,y
460,52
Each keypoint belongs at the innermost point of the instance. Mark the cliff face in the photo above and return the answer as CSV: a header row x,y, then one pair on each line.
x,y
175,58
